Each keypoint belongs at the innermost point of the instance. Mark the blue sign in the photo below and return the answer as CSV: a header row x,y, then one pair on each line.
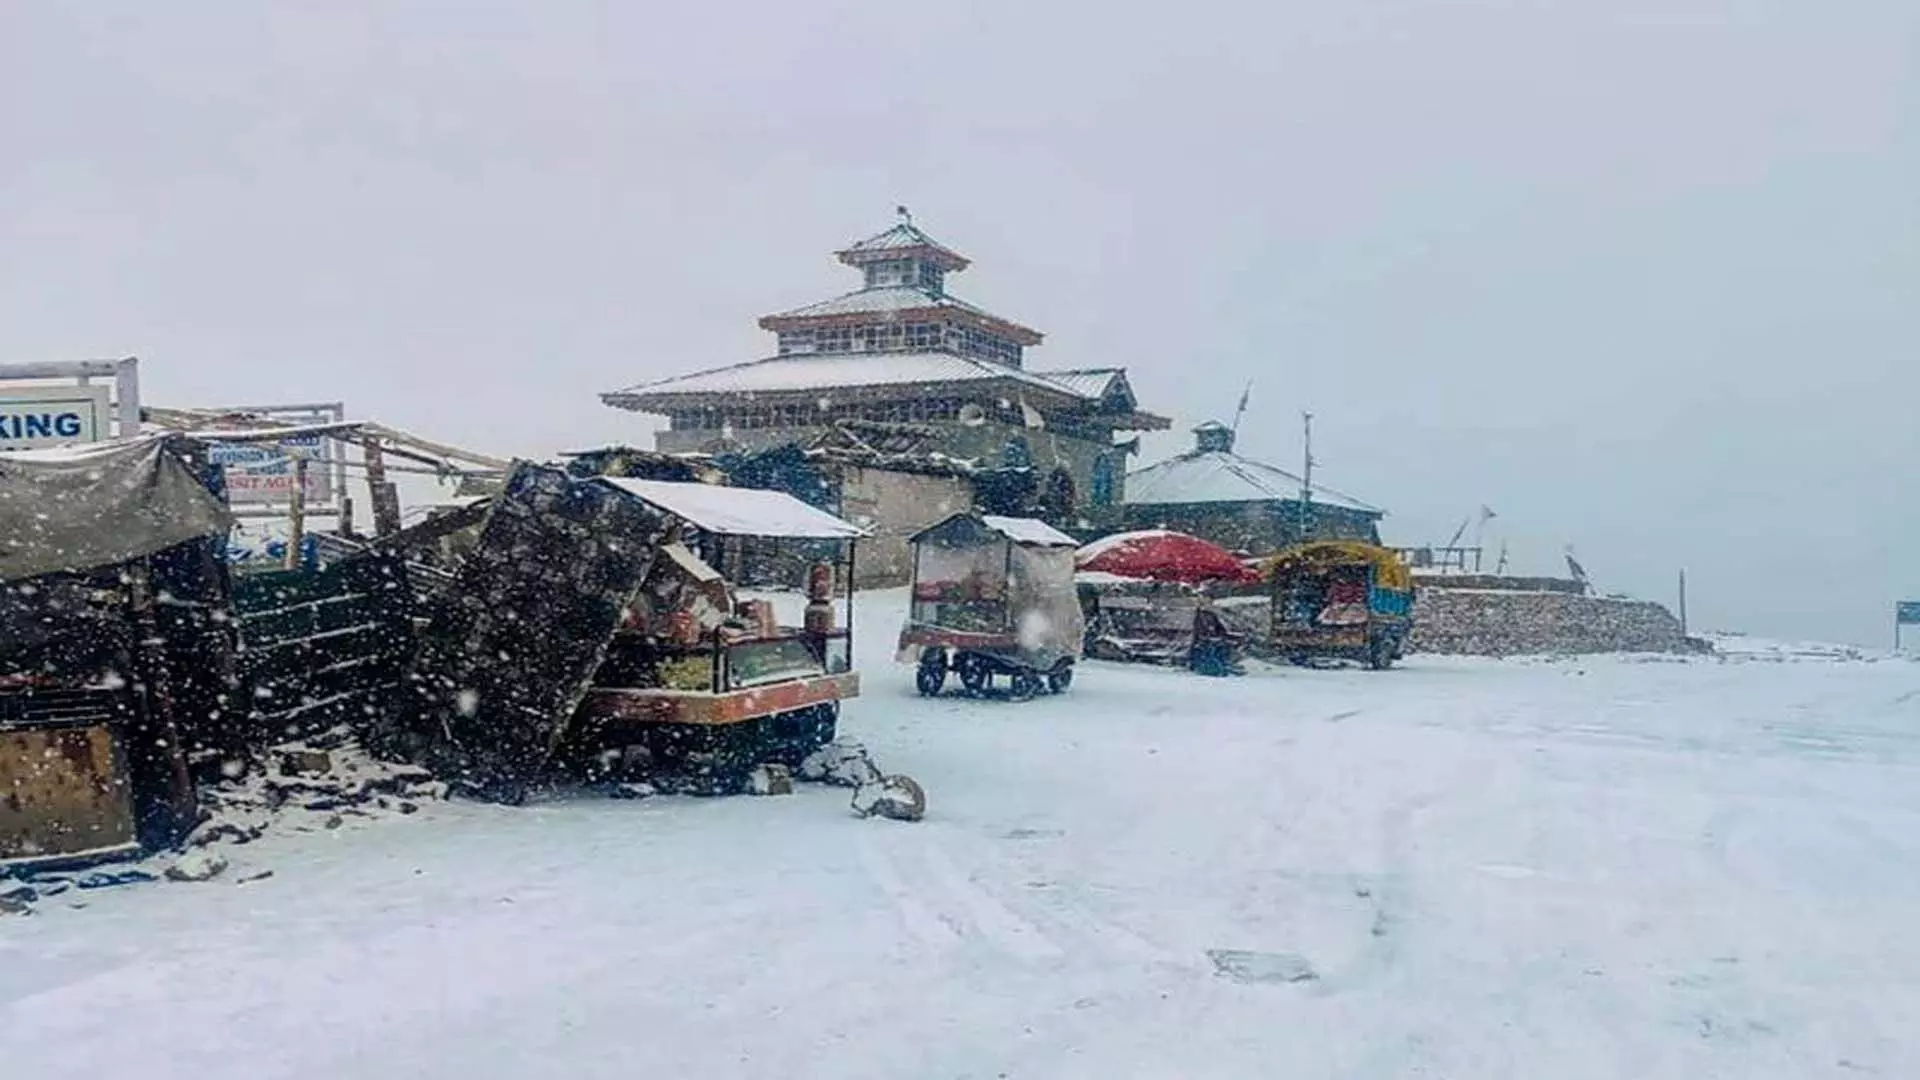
x,y
1907,612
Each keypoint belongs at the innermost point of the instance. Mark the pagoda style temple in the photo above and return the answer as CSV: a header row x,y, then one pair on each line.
x,y
902,349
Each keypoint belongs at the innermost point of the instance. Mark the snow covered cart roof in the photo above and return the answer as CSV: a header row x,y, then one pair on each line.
x,y
1027,532
736,511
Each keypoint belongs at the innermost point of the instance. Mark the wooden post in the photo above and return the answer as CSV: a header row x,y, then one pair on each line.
x,y
385,497
164,798
296,513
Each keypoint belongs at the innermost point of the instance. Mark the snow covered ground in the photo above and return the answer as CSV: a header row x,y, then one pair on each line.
x,y
1622,867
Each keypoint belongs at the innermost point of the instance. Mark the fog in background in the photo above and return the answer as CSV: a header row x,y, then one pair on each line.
x,y
1641,275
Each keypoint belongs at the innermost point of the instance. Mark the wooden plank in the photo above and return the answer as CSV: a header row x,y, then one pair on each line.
x,y
512,646
662,706
296,659
63,790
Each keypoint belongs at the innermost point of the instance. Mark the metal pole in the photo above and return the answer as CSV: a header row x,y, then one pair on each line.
x,y
1306,478
1683,602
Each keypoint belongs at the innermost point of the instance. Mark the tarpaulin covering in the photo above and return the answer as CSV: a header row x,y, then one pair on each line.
x,y
1388,569
75,508
1163,555
976,575
1044,605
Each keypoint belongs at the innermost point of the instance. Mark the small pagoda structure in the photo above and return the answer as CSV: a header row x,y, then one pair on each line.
x,y
903,349
1240,503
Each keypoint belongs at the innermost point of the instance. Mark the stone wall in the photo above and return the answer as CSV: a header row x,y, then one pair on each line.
x,y
1507,623
893,506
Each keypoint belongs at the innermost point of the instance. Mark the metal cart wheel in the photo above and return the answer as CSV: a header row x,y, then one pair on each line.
x,y
1379,653
974,675
1025,685
932,674
1060,678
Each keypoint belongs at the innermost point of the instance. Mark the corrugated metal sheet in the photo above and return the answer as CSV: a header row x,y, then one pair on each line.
x,y
901,237
1087,382
738,511
1028,531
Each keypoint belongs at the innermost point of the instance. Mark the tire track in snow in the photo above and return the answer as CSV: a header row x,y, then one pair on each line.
x,y
937,932
994,920
951,888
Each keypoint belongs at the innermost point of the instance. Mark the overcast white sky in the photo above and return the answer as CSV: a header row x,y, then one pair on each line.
x,y
1643,275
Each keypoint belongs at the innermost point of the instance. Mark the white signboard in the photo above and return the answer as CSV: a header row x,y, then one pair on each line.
x,y
263,473
52,416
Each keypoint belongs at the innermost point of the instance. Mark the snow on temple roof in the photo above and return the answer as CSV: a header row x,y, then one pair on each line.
x,y
884,299
1090,382
902,238
1218,477
840,371
736,511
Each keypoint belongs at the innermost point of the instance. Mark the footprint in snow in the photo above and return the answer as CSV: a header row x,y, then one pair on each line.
x,y
1261,967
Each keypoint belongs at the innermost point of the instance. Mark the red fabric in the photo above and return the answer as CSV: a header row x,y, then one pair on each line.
x,y
1169,556
1347,592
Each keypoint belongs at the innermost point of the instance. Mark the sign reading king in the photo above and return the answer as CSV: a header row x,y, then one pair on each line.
x,y
52,416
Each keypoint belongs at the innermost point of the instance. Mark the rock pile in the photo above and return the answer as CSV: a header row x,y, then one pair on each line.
x,y
1488,622
845,763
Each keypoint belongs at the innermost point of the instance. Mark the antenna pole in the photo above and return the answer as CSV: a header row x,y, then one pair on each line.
x,y
1306,477
1242,410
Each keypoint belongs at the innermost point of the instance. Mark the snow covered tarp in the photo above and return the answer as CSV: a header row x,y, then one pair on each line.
x,y
74,508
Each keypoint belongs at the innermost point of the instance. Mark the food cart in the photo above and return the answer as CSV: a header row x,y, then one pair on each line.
x,y
1148,597
1140,620
705,681
1340,599
993,596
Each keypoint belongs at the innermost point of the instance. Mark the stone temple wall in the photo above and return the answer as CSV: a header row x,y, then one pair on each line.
x,y
1503,623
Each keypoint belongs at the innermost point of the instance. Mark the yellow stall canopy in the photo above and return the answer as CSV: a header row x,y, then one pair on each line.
x,y
1388,571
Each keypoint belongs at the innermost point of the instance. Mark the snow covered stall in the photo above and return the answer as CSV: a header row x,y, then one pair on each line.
x,y
116,656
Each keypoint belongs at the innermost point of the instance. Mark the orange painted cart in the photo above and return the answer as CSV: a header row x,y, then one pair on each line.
x,y
704,679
